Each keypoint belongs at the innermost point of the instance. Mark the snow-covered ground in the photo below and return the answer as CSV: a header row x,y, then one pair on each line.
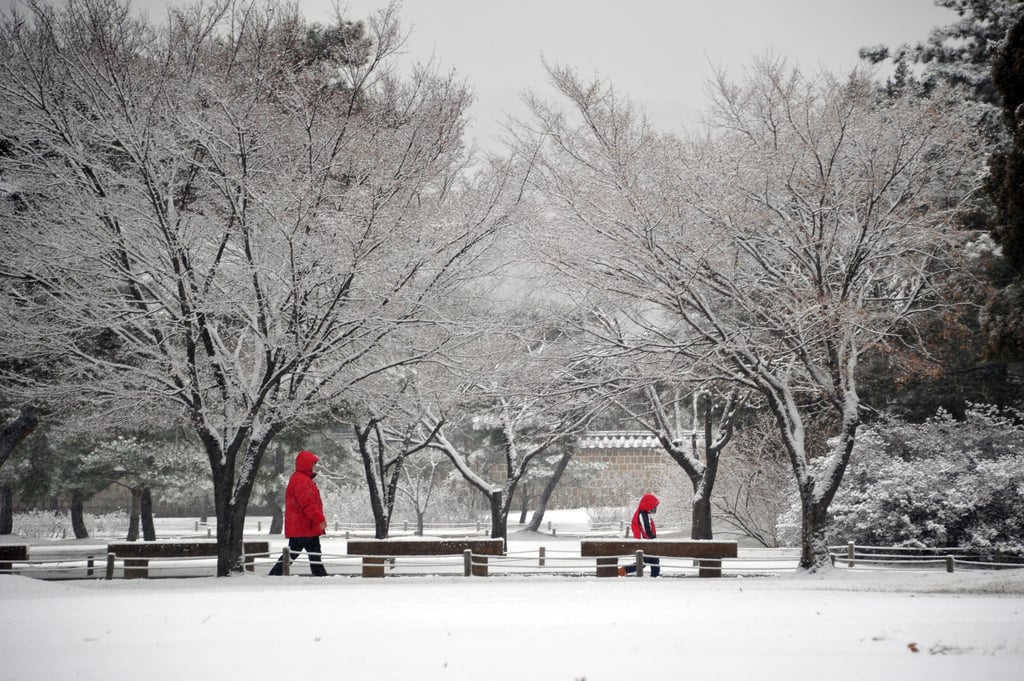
x,y
768,623
847,624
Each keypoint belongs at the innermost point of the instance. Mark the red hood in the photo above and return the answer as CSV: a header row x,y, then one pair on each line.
x,y
648,502
304,462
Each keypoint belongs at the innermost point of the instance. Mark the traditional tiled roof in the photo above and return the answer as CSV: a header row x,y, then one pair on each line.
x,y
618,439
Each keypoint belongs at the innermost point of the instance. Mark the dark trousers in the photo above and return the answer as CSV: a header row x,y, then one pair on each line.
x,y
653,561
295,546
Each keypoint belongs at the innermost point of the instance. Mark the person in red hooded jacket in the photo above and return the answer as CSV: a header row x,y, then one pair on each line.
x,y
304,519
643,528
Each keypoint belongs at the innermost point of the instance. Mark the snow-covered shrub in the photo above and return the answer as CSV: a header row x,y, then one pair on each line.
x,y
51,525
939,483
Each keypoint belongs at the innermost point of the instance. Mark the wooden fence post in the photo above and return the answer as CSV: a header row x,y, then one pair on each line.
x,y
639,563
467,560
850,552
950,563
286,561
110,565
541,553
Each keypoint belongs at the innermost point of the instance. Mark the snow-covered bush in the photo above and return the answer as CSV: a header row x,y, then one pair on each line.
x,y
938,483
51,525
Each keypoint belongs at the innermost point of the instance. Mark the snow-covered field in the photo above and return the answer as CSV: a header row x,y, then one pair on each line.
x,y
846,624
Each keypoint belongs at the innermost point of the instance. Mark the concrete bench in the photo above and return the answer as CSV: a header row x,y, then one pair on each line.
x,y
707,552
136,555
375,552
10,554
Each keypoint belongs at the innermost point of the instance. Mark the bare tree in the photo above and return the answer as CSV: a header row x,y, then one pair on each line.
x,y
530,393
421,477
226,221
384,451
803,232
679,440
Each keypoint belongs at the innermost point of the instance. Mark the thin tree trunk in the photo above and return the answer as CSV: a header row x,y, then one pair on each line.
x,y
133,515
702,524
277,519
524,508
499,517
78,515
276,496
146,513
6,508
549,489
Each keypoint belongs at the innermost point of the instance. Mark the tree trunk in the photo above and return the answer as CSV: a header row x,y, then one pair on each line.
x,y
524,497
133,515
146,514
813,545
277,519
6,508
549,489
78,515
275,498
499,516
380,505
701,527
231,499
16,431
222,519
700,520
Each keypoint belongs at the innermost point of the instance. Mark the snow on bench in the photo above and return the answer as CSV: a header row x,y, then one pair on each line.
x,y
136,555
707,552
375,552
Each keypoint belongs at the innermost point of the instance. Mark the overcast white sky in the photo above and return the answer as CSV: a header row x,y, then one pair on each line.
x,y
658,52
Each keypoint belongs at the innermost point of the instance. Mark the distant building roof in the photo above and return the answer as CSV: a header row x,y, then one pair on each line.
x,y
622,439
619,439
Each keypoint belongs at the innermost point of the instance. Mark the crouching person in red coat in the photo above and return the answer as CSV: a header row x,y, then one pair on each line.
x,y
304,519
643,528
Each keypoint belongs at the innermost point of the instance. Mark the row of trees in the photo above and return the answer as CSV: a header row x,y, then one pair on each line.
x,y
248,226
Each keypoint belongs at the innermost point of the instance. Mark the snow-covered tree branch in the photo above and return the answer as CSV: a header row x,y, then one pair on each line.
x,y
226,222
800,233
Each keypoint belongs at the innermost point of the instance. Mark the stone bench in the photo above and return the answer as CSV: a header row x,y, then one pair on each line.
x,y
10,554
376,552
136,555
707,552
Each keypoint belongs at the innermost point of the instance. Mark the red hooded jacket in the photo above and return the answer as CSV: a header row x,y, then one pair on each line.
x,y
303,509
643,523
